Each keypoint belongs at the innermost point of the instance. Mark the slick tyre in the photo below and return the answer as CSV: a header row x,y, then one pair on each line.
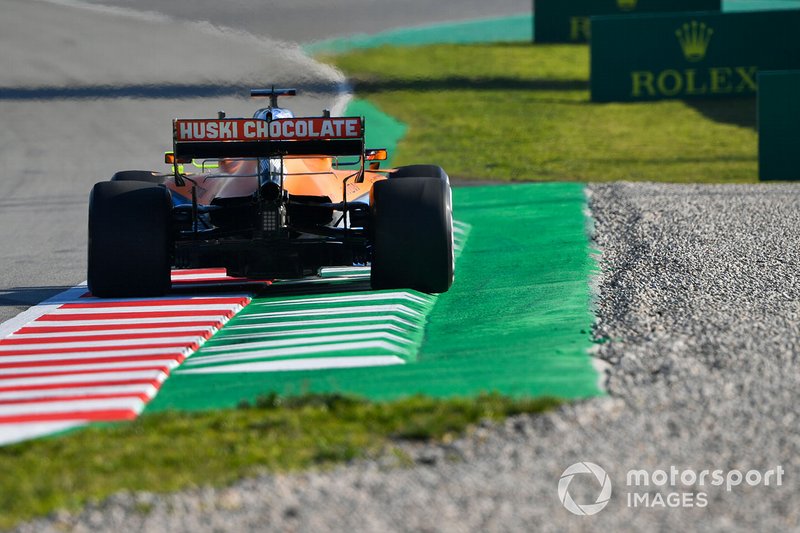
x,y
138,175
129,239
420,171
412,244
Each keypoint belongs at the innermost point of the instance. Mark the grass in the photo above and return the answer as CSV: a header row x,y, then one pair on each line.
x,y
521,112
172,451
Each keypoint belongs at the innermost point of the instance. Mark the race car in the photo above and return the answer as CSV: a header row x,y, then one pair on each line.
x,y
274,197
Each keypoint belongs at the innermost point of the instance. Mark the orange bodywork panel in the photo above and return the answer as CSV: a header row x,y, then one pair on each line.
x,y
306,176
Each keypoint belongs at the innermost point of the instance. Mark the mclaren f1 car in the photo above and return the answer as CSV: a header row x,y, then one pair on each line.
x,y
273,197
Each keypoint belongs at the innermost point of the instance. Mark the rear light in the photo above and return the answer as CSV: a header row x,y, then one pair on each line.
x,y
170,159
376,154
270,219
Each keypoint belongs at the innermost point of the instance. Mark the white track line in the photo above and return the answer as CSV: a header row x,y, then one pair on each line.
x,y
12,433
10,326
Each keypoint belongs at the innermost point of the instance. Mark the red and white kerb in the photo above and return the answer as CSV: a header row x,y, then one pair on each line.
x,y
86,359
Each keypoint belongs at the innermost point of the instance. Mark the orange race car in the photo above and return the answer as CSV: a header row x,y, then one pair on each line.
x,y
276,196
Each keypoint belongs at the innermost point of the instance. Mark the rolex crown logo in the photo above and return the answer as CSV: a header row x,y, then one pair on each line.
x,y
627,5
694,38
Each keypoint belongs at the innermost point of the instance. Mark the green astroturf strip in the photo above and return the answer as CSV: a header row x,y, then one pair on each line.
x,y
317,326
759,5
522,294
490,30
382,130
516,321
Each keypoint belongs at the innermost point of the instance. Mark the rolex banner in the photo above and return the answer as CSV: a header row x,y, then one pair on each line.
x,y
779,125
689,55
567,21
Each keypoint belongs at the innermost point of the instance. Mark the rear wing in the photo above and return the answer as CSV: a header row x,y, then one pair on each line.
x,y
252,137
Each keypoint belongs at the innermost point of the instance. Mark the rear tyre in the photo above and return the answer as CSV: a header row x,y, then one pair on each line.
x,y
138,175
412,235
129,239
420,171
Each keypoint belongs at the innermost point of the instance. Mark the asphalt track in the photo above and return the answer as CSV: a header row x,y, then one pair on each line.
x,y
88,90
93,94
305,21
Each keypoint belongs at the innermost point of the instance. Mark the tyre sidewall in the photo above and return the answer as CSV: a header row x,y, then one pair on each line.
x,y
413,234
129,239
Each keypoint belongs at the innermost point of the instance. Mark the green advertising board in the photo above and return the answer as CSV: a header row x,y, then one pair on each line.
x,y
689,55
567,21
779,125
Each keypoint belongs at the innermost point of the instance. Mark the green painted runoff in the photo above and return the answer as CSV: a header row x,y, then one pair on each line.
x,y
516,321
380,129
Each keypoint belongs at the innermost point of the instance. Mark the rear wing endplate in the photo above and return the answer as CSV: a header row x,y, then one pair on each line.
x,y
232,138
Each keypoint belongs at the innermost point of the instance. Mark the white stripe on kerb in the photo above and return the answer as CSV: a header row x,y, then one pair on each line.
x,y
154,364
181,319
106,404
155,353
313,331
143,332
294,352
178,342
313,363
147,390
151,375
370,297
336,311
174,298
306,341
183,309
322,322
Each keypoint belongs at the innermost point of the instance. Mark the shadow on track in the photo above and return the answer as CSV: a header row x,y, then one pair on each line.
x,y
17,296
148,91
